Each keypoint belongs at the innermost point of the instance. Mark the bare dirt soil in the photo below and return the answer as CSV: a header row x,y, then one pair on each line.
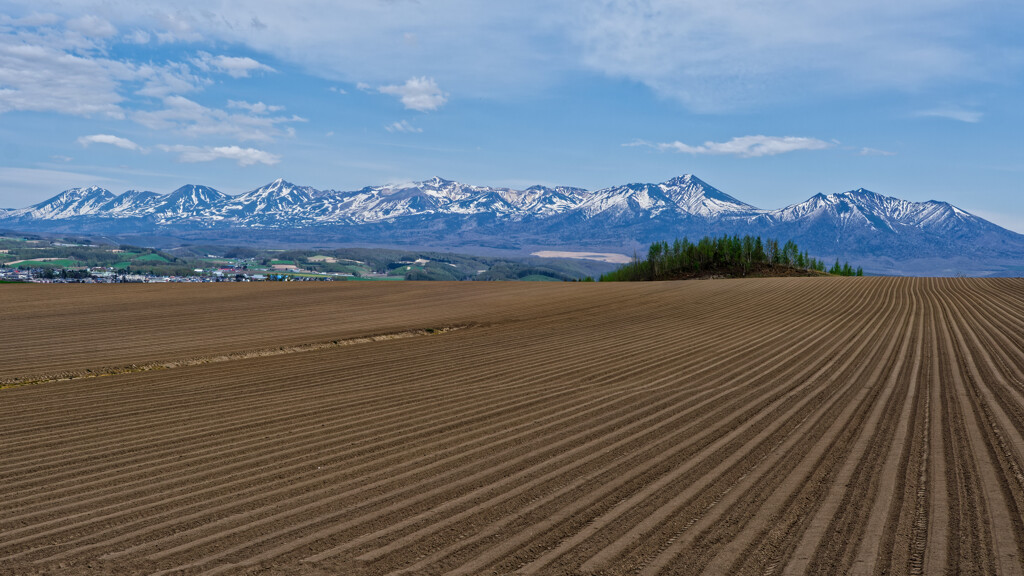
x,y
748,426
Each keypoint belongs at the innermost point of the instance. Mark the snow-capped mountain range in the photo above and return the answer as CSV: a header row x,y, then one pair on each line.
x,y
856,224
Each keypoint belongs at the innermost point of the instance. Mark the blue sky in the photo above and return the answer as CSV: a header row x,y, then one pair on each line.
x,y
770,101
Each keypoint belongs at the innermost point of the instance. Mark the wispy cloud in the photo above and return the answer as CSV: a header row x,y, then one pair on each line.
x,y
420,93
42,71
959,114
39,77
719,55
109,139
236,67
193,119
255,108
705,54
874,152
163,80
743,146
92,25
137,37
402,126
243,156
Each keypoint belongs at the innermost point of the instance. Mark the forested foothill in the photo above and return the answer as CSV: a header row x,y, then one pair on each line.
x,y
725,256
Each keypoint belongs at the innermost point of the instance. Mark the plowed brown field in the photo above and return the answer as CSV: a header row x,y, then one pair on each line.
x,y
768,426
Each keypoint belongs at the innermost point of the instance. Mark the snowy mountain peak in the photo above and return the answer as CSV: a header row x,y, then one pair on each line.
x,y
279,186
198,192
132,202
190,200
696,197
686,180
69,203
280,198
862,207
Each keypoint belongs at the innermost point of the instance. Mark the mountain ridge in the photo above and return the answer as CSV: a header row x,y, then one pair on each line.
x,y
853,224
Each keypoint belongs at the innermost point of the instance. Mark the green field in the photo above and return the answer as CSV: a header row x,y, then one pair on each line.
x,y
151,258
403,270
61,263
539,278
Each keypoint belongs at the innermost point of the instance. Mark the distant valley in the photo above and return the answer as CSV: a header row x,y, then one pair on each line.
x,y
887,235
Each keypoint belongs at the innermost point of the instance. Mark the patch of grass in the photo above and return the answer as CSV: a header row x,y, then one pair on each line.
x,y
282,263
151,258
539,278
402,271
61,263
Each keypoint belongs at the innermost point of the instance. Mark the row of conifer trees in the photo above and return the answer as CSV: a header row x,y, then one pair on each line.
x,y
732,254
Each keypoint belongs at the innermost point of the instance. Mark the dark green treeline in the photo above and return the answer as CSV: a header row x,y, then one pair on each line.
x,y
734,255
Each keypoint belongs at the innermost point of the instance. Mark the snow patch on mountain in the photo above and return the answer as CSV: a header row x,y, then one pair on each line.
x,y
881,213
71,203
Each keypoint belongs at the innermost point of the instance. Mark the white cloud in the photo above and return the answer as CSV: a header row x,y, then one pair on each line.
x,y
875,152
402,126
744,146
244,156
255,108
170,78
46,72
709,55
193,119
91,25
729,53
418,93
41,78
502,48
109,139
137,37
32,19
236,67
959,114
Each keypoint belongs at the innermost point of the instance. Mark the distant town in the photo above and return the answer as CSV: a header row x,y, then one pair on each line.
x,y
100,275
37,259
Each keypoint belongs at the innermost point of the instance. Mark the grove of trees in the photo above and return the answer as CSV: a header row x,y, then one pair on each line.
x,y
735,255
